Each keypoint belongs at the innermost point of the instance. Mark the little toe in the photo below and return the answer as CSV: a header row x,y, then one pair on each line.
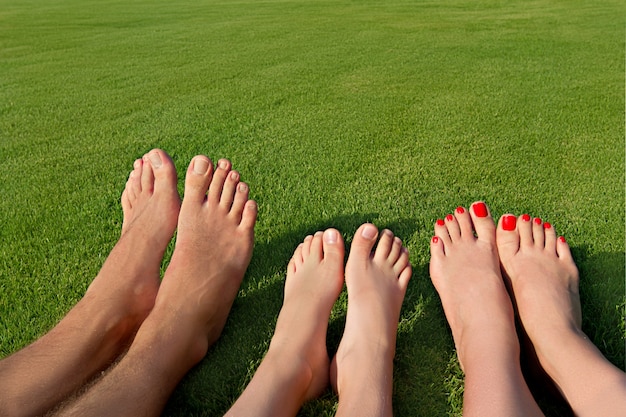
x,y
198,177
436,248
249,215
507,237
217,183
483,222
563,250
363,241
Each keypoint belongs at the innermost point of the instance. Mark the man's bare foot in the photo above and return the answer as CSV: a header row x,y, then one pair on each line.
x,y
544,279
295,368
465,271
362,370
129,279
213,249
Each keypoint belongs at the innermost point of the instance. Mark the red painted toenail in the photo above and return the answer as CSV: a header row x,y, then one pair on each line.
x,y
509,222
480,209
435,239
562,239
526,217
537,220
460,210
440,222
547,225
449,217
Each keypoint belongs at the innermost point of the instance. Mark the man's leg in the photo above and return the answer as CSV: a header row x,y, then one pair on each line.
x,y
544,279
295,368
465,270
213,249
362,370
93,334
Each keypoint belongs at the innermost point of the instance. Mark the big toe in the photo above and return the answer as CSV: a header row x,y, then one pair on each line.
x,y
198,178
483,222
507,237
364,240
165,178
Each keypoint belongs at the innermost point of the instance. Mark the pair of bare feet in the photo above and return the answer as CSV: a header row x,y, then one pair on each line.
x,y
297,367
539,285
130,323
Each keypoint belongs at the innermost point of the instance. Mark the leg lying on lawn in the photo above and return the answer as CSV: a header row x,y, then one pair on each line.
x,y
213,249
544,280
296,367
465,270
102,324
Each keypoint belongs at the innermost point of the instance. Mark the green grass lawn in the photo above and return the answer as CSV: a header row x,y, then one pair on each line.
x,y
336,113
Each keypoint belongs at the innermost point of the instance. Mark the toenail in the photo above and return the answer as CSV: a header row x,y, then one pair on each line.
x,y
435,239
449,217
137,164
508,223
480,209
547,225
222,164
234,176
155,159
200,166
242,187
526,217
440,222
537,220
369,232
330,236
460,210
562,239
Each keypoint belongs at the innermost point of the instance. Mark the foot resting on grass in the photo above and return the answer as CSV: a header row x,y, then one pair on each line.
x,y
465,271
295,368
213,248
100,327
544,279
376,280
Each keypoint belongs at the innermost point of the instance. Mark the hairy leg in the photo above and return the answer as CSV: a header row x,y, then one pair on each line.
x,y
362,370
93,334
213,249
465,271
295,368
544,279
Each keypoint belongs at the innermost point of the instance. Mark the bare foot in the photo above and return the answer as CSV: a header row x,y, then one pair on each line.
x,y
362,369
129,279
213,249
465,271
544,279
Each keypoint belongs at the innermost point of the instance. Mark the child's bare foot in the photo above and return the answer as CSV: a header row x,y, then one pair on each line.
x,y
213,249
362,370
129,279
544,279
295,368
465,271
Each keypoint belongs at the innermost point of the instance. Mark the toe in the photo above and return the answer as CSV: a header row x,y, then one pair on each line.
x,y
198,177
507,237
306,247
241,197
217,183
441,231
333,246
249,215
396,250
402,261
364,240
453,227
465,222
538,233
147,176
229,191
483,222
385,243
550,237
525,228
317,250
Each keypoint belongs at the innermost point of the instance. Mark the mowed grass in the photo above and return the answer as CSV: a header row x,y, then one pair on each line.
x,y
335,113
